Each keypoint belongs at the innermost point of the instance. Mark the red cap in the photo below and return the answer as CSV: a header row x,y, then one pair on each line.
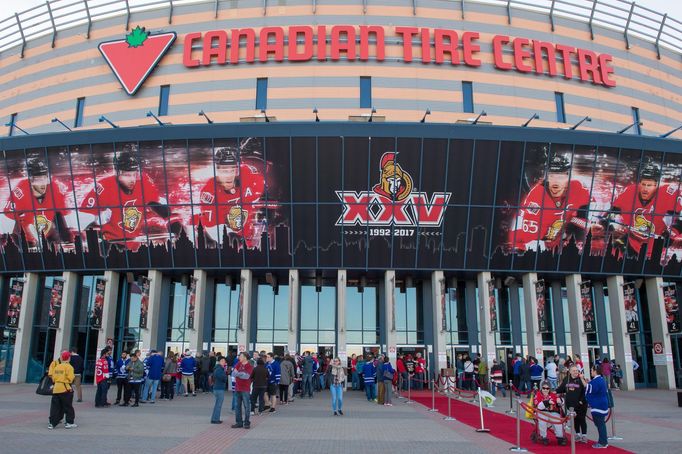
x,y
65,355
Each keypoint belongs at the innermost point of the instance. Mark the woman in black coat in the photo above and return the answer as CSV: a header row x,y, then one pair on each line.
x,y
574,389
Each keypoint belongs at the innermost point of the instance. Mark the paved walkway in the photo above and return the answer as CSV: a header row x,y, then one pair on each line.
x,y
650,421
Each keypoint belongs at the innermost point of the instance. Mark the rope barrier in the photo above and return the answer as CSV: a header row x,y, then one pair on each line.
x,y
523,393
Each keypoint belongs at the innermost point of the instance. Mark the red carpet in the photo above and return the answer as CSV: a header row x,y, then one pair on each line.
x,y
504,426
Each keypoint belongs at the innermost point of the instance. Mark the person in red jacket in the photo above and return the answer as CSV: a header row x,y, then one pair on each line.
x,y
547,402
402,371
102,375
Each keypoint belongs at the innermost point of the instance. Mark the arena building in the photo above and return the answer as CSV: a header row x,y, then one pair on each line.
x,y
429,176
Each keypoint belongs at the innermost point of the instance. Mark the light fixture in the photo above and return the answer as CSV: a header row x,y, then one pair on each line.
x,y
151,114
203,114
265,115
509,280
637,123
318,284
534,117
362,285
103,119
482,114
57,120
663,136
428,112
14,125
317,118
575,126
371,115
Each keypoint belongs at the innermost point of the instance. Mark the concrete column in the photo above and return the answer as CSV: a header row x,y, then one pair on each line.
x,y
575,316
600,312
22,346
294,299
390,339
470,297
665,375
341,316
62,339
621,339
109,310
558,317
149,335
437,309
245,296
487,336
515,312
533,335
201,305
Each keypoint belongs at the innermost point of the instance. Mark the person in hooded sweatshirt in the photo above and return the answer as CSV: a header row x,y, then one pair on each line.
x,y
597,397
573,387
61,373
369,373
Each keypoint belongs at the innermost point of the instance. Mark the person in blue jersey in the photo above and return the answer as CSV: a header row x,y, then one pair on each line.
x,y
369,374
597,397
275,374
154,367
121,377
188,366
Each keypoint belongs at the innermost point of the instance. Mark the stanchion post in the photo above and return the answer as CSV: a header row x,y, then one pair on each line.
x,y
480,408
613,427
571,422
511,399
449,416
518,447
409,391
433,397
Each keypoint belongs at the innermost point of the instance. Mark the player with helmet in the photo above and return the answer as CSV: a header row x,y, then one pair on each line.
x,y
230,201
644,211
127,205
554,209
37,205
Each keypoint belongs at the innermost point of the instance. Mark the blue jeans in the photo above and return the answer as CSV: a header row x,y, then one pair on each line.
x,y
243,405
179,389
600,423
150,385
371,391
552,382
337,396
101,394
307,385
493,389
219,397
234,400
321,381
355,380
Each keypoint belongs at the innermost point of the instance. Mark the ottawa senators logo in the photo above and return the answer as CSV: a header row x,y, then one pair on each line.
x,y
236,218
131,218
554,230
42,224
642,225
395,182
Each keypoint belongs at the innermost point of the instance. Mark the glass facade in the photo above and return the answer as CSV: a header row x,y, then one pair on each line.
x,y
317,316
42,337
127,332
456,317
225,318
178,308
409,316
362,316
272,317
83,336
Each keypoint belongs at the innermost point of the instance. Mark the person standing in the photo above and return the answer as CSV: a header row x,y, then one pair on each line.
x,y
573,387
101,380
337,383
242,373
121,377
170,368
308,369
188,366
260,377
496,376
111,364
77,363
369,373
402,373
596,393
525,375
387,374
482,373
552,372
135,379
360,366
354,372
516,371
61,373
155,365
606,369
274,377
379,374
536,371
468,381
205,367
286,379
219,384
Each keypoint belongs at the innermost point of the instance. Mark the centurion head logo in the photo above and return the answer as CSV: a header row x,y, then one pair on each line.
x,y
134,58
393,201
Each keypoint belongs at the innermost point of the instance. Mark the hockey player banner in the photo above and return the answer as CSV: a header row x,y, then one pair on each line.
x,y
240,315
443,313
541,302
589,324
16,293
144,301
672,309
631,310
55,304
191,302
492,306
98,306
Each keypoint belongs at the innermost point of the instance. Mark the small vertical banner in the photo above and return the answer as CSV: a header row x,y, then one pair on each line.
x,y
541,302
392,299
443,313
631,312
55,311
192,296
492,306
16,292
589,325
98,306
672,309
240,317
144,302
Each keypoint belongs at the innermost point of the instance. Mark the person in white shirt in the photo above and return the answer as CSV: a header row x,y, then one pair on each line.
x,y
551,369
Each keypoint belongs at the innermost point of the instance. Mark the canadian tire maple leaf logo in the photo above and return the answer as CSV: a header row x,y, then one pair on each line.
x,y
134,58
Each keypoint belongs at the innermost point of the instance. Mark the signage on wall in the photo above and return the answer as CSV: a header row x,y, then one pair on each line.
x,y
541,302
672,308
54,314
588,308
16,293
98,306
631,311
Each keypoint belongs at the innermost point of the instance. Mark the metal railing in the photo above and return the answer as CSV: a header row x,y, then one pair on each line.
x,y
628,18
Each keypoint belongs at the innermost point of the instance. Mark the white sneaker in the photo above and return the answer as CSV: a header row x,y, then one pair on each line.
x,y
70,426
50,426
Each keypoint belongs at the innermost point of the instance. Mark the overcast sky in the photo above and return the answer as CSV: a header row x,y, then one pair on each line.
x,y
672,7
